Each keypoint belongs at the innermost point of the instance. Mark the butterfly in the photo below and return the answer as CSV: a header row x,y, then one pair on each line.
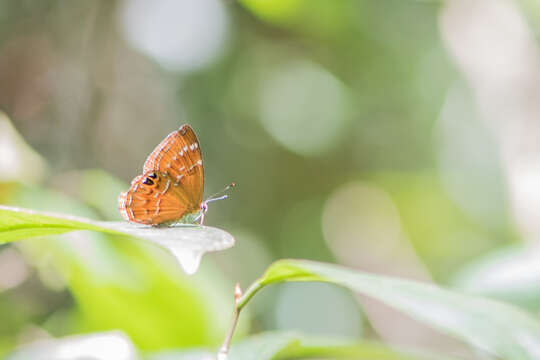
x,y
170,189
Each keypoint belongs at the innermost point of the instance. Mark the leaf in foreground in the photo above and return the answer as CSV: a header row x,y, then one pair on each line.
x,y
186,242
511,274
98,346
497,328
289,345
268,346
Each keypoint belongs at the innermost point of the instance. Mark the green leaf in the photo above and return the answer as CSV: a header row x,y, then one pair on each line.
x,y
289,345
18,224
495,327
186,242
510,274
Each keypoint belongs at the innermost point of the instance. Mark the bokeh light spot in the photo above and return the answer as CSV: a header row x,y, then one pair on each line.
x,y
469,163
181,35
17,160
98,346
303,107
358,217
13,270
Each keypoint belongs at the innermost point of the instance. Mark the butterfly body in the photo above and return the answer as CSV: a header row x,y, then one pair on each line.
x,y
170,190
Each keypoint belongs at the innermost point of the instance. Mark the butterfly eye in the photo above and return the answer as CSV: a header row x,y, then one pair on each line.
x,y
148,181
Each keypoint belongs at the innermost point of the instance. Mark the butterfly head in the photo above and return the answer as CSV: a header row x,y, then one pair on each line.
x,y
204,204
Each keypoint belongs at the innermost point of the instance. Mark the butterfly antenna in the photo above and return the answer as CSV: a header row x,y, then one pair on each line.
x,y
215,197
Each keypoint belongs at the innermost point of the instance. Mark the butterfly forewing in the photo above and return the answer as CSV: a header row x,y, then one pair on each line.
x,y
172,182
179,156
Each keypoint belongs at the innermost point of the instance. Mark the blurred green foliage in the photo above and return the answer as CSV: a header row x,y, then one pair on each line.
x,y
125,284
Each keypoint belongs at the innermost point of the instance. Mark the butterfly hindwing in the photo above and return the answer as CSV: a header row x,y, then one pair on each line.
x,y
153,199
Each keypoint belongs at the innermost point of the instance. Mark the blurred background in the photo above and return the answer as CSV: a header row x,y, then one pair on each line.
x,y
396,137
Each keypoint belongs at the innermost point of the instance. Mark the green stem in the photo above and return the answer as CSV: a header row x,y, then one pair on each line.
x,y
250,292
239,302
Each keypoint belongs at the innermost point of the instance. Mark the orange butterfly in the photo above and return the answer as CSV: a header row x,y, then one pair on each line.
x,y
171,187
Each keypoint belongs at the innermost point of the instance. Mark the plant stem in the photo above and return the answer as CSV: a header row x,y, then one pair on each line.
x,y
250,292
224,349
240,300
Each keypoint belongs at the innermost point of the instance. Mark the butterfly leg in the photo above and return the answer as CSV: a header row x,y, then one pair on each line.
x,y
202,218
204,209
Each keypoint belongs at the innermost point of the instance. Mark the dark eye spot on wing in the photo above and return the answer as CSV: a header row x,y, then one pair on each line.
x,y
148,181
152,175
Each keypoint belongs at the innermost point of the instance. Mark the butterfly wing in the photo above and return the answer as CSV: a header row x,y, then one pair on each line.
x,y
172,182
179,156
154,199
